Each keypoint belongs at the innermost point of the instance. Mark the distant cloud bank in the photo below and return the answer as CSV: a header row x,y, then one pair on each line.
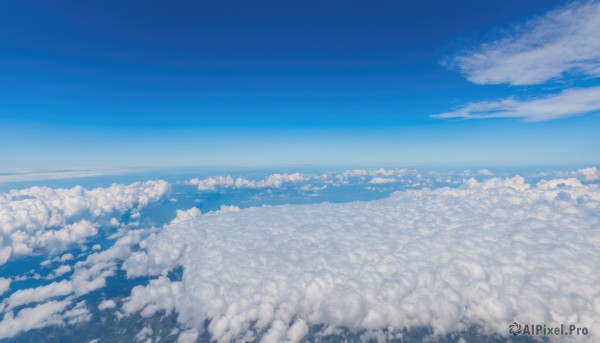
x,y
24,175
272,181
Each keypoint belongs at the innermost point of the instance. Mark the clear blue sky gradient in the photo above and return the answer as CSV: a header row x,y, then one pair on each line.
x,y
169,83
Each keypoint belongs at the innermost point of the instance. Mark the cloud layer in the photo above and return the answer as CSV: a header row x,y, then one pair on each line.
x,y
485,254
271,181
562,41
51,219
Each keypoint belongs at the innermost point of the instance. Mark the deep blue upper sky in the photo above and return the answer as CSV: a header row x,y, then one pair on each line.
x,y
110,83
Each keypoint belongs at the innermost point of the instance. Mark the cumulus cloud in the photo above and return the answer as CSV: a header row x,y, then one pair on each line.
x,y
87,276
42,218
32,318
188,336
106,304
160,294
589,174
39,294
47,314
60,271
484,254
351,176
373,172
568,103
563,41
78,314
317,182
380,180
272,181
90,274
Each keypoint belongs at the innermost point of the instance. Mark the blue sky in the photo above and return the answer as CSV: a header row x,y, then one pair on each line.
x,y
170,83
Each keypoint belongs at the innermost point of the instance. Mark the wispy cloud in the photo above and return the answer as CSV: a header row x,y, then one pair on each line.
x,y
16,175
563,41
568,103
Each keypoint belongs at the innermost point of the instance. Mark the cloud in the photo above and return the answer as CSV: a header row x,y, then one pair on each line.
x,y
78,314
42,218
88,275
106,304
46,314
188,336
568,103
4,285
563,41
39,294
60,271
318,182
7,176
32,318
380,180
159,294
589,174
272,181
145,335
484,254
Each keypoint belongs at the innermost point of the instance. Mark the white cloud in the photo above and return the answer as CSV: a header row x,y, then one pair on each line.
x,y
78,314
272,181
42,218
318,182
568,103
159,294
589,174
60,271
188,336
486,254
106,304
144,335
380,180
66,257
32,318
560,42
7,176
39,294
348,177
88,275
485,172
57,240
297,331
46,314
159,261
4,285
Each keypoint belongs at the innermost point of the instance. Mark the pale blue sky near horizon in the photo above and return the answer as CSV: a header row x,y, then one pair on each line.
x,y
112,84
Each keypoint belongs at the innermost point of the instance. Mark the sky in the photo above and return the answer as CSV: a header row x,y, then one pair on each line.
x,y
111,84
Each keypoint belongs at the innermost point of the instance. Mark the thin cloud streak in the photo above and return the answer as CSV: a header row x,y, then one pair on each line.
x,y
568,103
